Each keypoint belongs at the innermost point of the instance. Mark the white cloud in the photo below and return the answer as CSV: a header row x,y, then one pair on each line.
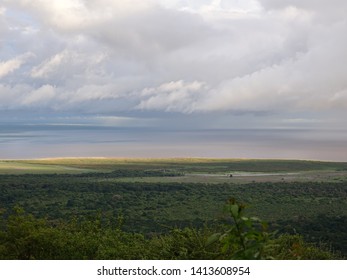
x,y
11,96
2,10
11,65
323,11
186,56
67,61
45,68
173,96
77,15
91,93
63,14
39,97
223,10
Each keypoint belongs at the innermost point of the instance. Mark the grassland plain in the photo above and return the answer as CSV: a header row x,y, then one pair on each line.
x,y
194,165
156,195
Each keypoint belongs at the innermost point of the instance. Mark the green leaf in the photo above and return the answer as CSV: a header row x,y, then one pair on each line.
x,y
213,238
234,209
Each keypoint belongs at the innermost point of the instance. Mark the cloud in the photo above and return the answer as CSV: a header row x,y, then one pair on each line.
x,y
64,14
173,96
11,65
189,57
39,97
300,66
72,16
306,4
69,63
308,81
48,66
323,11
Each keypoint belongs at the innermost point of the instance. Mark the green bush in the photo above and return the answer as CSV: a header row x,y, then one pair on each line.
x,y
22,236
293,247
244,238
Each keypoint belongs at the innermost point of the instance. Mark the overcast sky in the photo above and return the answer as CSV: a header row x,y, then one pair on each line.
x,y
178,63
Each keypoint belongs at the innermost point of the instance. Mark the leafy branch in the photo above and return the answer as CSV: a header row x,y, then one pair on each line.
x,y
245,237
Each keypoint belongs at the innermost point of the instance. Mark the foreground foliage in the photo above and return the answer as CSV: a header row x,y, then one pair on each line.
x,y
23,236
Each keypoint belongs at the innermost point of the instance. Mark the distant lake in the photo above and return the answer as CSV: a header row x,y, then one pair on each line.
x,y
37,141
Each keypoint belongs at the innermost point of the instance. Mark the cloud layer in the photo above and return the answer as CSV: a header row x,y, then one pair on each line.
x,y
191,57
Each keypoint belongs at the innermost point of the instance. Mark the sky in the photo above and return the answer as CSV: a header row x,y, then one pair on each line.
x,y
176,65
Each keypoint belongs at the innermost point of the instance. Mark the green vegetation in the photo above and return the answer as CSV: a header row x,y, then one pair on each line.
x,y
172,209
23,236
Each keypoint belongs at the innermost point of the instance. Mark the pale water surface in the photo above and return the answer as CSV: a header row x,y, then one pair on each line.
x,y
37,141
